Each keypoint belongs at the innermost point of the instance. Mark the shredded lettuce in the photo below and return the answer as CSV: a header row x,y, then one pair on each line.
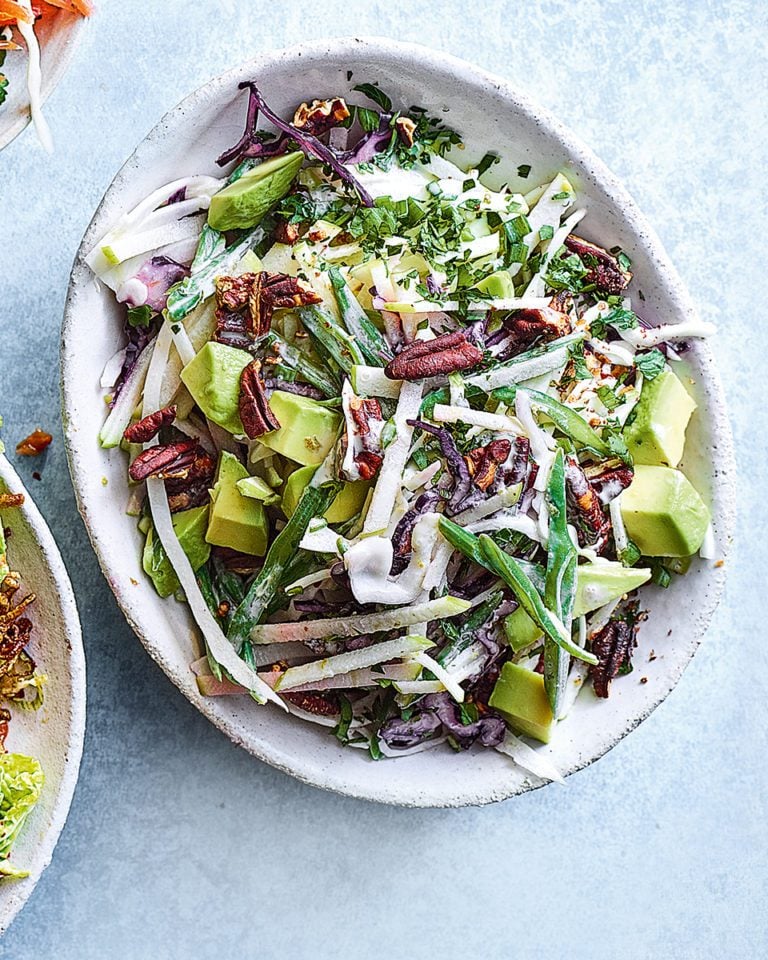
x,y
21,782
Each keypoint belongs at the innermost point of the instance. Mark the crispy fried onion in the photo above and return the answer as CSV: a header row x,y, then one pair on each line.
x,y
19,681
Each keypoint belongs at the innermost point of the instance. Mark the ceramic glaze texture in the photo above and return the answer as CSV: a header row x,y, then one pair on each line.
x,y
489,115
54,733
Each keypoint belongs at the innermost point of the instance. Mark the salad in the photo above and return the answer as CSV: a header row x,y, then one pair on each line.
x,y
17,22
398,437
21,777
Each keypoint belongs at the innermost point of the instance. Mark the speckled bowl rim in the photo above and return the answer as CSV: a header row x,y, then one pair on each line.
x,y
22,890
724,482
73,28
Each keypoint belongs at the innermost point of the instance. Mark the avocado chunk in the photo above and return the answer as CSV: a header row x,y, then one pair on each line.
x,y
257,489
190,527
596,585
520,630
663,513
520,698
498,285
213,379
656,434
245,202
600,583
307,429
349,500
236,521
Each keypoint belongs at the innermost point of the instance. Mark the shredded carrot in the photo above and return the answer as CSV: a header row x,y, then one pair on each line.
x,y
83,7
12,12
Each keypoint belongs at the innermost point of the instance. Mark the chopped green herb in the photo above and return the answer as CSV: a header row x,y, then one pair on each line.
x,y
139,316
650,363
524,170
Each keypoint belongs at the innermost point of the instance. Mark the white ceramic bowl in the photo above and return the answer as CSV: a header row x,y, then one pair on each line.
x,y
54,733
57,33
489,115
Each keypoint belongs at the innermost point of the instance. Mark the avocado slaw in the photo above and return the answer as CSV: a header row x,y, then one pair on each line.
x,y
397,436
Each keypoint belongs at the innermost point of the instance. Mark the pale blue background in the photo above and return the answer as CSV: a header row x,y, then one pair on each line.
x,y
181,845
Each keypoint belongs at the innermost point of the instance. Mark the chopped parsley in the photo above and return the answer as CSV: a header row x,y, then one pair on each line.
x,y
524,170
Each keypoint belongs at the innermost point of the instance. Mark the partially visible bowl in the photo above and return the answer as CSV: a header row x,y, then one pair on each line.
x,y
490,116
54,733
57,33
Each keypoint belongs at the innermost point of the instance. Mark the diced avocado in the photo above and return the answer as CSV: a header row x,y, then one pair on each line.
x,y
663,513
244,203
347,504
656,434
520,630
307,429
498,285
248,263
236,521
596,585
190,527
520,697
213,379
599,583
257,489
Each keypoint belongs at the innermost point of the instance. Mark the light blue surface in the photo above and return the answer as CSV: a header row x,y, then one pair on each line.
x,y
181,845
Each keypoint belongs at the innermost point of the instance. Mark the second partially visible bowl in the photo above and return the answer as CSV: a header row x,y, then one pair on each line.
x,y
54,733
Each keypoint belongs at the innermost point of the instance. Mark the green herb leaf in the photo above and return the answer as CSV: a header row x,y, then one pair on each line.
x,y
651,363
139,316
523,171
487,162
375,94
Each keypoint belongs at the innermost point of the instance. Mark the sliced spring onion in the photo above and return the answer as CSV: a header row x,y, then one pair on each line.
x,y
353,660
525,366
111,434
355,626
395,458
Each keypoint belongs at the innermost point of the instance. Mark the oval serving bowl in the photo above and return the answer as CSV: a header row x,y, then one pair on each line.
x,y
57,35
490,116
54,733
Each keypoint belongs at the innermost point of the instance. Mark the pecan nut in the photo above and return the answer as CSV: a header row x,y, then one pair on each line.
x,y
286,232
368,464
320,116
446,354
245,304
605,271
483,462
609,484
171,461
255,411
34,444
593,526
529,324
148,427
315,703
613,646
192,490
405,129
8,500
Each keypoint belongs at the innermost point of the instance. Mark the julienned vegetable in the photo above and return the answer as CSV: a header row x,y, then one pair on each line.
x,y
17,16
421,429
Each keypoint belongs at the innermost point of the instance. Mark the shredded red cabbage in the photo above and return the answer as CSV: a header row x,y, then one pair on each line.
x,y
310,145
